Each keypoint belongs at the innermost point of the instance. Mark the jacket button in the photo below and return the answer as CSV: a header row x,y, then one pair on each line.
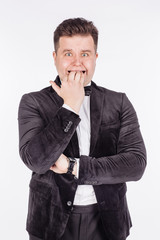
x,y
69,203
68,126
66,129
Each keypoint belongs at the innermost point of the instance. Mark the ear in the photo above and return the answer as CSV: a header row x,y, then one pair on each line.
x,y
54,56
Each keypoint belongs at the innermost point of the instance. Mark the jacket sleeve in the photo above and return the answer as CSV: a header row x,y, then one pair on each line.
x,y
40,145
128,164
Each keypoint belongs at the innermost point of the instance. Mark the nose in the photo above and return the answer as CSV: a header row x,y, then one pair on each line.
x,y
77,61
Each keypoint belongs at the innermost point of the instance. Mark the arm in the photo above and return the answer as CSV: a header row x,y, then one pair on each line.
x,y
129,162
40,145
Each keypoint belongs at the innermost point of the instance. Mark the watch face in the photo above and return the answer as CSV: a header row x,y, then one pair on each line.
x,y
72,159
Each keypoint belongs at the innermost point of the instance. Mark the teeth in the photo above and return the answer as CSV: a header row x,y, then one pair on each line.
x,y
79,71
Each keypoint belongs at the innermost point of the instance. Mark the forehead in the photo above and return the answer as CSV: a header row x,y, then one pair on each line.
x,y
79,42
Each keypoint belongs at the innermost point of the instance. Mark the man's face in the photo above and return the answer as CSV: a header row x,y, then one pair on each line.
x,y
76,53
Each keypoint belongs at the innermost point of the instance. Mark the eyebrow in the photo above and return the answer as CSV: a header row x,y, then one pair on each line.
x,y
87,50
67,50
70,50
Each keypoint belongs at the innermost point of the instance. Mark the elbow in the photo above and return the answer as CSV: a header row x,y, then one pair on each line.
x,y
35,165
141,166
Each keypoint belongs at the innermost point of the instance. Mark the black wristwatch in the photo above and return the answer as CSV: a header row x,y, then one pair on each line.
x,y
72,162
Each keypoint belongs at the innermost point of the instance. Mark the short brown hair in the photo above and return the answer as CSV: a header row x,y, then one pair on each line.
x,y
75,26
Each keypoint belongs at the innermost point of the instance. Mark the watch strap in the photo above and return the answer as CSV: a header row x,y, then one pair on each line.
x,y
72,162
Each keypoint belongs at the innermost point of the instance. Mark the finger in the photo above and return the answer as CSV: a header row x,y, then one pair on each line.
x,y
71,76
52,167
55,87
65,79
82,79
78,76
56,169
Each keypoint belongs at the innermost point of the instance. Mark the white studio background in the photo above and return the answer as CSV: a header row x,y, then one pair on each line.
x,y
129,61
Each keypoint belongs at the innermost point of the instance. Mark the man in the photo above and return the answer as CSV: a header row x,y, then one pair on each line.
x,y
82,143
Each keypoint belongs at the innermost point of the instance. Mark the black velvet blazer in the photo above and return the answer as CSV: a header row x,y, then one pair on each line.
x,y
117,155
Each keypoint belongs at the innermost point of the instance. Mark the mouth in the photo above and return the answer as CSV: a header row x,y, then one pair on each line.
x,y
83,71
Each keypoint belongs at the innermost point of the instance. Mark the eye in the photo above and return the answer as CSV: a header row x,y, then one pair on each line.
x,y
68,54
84,54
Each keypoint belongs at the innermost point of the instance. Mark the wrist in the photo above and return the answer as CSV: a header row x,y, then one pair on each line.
x,y
71,166
74,107
75,169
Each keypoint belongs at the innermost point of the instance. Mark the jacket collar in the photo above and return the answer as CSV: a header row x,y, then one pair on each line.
x,y
56,98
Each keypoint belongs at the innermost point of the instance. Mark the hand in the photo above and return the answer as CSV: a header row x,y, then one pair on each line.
x,y
61,165
72,89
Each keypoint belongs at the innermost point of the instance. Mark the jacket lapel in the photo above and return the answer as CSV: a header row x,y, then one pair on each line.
x,y
96,106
